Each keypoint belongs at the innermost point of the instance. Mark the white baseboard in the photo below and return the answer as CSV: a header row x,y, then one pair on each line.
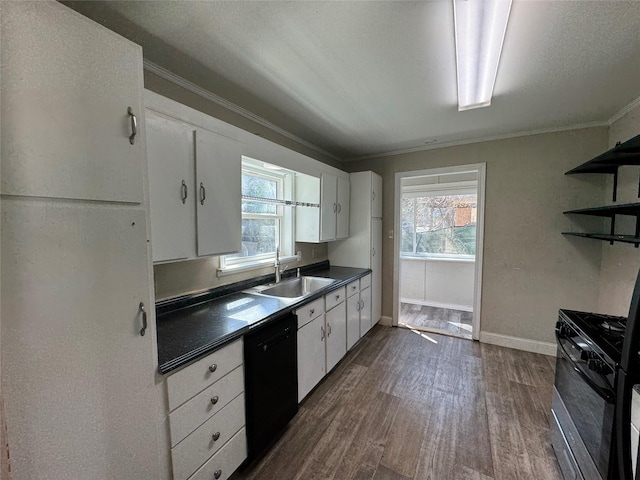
x,y
386,321
427,303
518,343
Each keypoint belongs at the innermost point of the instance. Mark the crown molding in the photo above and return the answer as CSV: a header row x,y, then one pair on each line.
x,y
624,110
197,90
455,143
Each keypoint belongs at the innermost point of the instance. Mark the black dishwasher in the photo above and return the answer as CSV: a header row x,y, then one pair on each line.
x,y
271,381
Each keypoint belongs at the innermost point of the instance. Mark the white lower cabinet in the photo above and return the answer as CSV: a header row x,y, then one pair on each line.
x,y
311,353
322,338
358,310
207,416
336,345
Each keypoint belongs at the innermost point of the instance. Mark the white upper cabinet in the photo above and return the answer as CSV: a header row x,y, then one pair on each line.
x,y
219,194
195,182
376,195
342,213
330,221
170,154
328,207
65,99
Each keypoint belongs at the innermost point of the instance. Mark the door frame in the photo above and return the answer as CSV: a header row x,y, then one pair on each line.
x,y
480,169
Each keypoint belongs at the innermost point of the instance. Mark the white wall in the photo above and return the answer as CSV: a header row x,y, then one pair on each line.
x,y
620,262
437,282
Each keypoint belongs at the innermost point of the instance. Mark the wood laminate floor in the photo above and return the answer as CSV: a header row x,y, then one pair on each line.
x,y
413,405
445,320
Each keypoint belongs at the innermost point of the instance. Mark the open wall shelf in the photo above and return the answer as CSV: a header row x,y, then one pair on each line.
x,y
610,211
627,153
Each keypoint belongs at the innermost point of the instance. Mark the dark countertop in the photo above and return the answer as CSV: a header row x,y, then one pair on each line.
x,y
191,327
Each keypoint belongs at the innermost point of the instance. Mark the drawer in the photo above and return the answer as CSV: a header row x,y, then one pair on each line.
x,y
308,312
222,465
334,298
184,384
365,282
353,288
210,437
186,418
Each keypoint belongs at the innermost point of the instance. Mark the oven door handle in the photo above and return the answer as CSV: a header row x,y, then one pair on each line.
x,y
606,396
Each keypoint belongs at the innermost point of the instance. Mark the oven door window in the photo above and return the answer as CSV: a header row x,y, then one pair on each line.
x,y
591,413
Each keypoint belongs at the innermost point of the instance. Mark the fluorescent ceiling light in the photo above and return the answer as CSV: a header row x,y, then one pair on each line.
x,y
480,26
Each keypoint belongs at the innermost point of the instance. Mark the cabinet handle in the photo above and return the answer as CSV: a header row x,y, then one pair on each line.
x,y
339,208
358,307
373,251
362,304
335,207
134,126
214,400
312,311
217,474
184,192
215,436
203,194
373,195
144,319
328,329
213,367
338,297
321,333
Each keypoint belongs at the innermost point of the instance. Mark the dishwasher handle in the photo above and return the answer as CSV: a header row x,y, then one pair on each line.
x,y
275,340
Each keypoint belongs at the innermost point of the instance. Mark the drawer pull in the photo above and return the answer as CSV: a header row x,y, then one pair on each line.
x,y
338,297
213,367
312,311
215,436
217,474
214,400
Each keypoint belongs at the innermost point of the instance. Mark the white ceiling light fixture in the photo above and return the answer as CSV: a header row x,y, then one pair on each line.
x,y
480,26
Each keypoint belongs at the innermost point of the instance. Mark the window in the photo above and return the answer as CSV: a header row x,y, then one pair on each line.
x,y
442,225
266,224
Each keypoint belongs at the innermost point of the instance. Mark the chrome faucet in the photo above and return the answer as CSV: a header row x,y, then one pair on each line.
x,y
276,265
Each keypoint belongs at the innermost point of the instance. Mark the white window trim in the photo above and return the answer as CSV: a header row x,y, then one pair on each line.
x,y
284,216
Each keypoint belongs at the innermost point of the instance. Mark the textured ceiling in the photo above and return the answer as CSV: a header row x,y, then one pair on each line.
x,y
363,78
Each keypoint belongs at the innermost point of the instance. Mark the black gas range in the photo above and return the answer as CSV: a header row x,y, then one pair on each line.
x,y
584,398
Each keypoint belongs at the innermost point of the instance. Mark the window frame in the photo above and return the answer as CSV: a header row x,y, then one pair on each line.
x,y
284,221
441,190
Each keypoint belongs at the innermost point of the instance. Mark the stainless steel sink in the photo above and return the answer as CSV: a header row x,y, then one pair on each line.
x,y
293,288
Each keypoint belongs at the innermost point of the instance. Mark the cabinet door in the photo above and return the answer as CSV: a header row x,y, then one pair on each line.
x,y
336,334
353,320
170,155
67,84
376,267
311,353
365,311
219,200
328,207
376,195
342,220
73,277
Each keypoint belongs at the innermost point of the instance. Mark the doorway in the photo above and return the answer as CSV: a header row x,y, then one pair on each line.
x,y
438,250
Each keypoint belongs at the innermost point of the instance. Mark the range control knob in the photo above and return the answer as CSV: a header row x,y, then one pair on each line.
x,y
564,330
598,366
